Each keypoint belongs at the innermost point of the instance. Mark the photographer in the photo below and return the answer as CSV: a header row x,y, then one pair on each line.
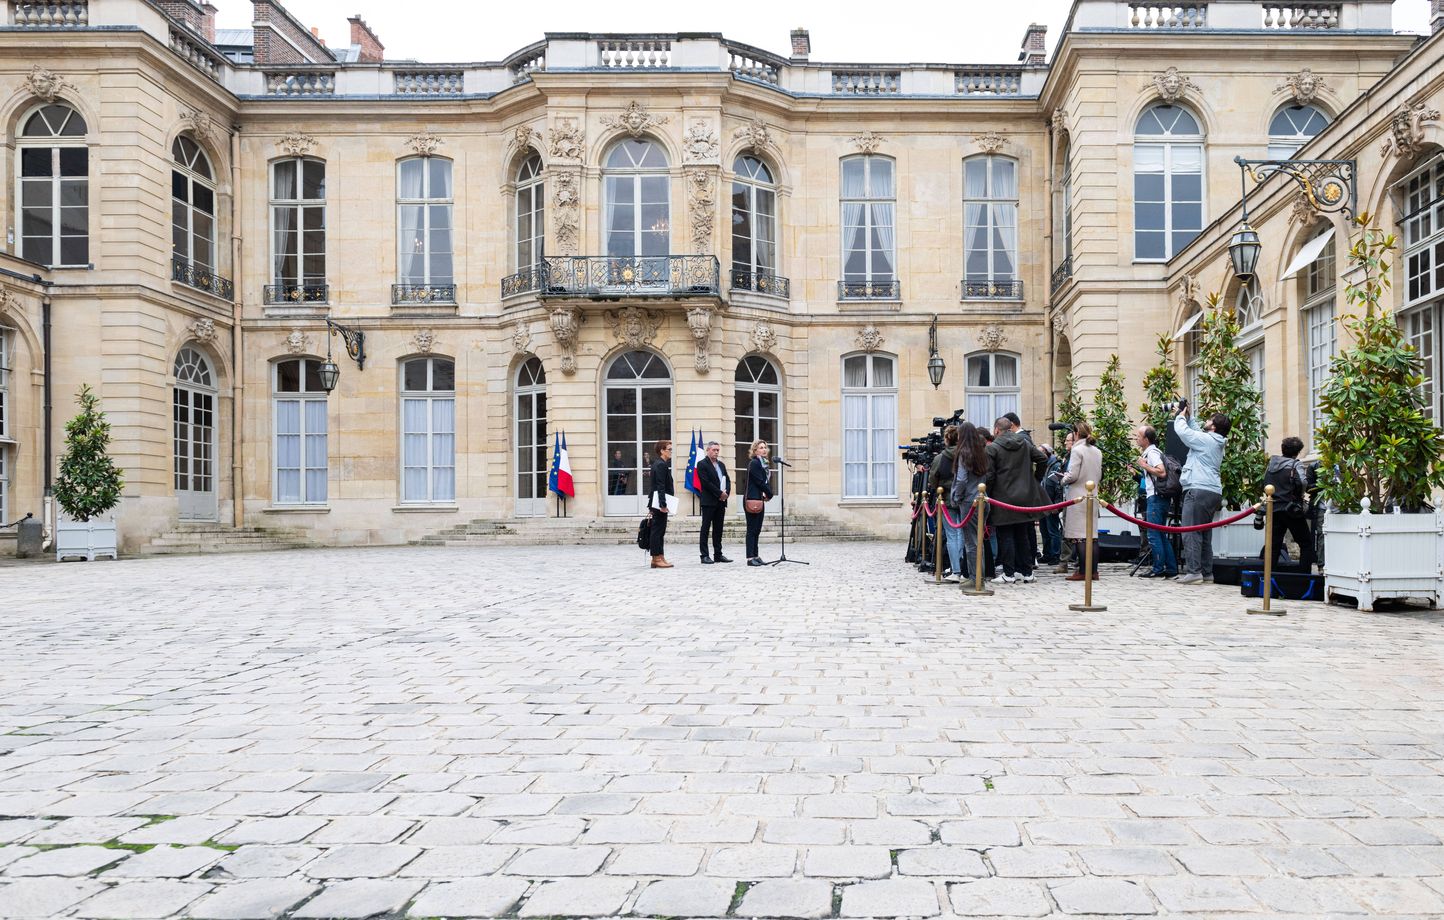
x,y
1202,488
941,476
1051,524
1150,461
1290,479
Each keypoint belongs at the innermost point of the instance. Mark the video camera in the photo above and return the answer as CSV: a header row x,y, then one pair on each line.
x,y
926,448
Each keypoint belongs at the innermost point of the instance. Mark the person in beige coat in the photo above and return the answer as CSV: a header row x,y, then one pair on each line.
x,y
1085,464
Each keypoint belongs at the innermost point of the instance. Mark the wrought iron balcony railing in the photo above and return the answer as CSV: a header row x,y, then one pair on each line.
x,y
869,290
761,283
201,278
295,293
420,294
992,290
527,280
607,276
1061,274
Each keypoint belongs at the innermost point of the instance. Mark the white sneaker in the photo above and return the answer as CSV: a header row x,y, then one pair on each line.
x,y
1008,579
1190,579
1028,579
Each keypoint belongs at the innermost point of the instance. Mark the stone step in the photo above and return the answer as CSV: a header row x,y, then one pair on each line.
x,y
211,538
621,531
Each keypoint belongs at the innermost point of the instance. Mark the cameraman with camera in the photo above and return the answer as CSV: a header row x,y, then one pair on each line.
x,y
1202,487
941,477
1290,479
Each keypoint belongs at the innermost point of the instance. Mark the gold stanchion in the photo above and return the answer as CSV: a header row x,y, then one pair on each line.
x,y
980,505
1268,554
938,538
1092,528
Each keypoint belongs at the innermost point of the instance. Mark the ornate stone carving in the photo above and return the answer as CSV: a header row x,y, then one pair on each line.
x,y
699,143
47,84
633,326
869,338
1302,212
1303,86
1172,85
992,337
424,340
296,144
522,138
634,119
521,337
424,143
1060,121
1188,292
1060,323
298,342
991,142
565,140
8,301
203,331
763,337
755,135
1406,129
701,208
196,122
566,323
565,221
868,142
699,320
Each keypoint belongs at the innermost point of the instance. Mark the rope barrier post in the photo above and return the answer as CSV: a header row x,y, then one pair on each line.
x,y
980,505
1092,526
1268,567
939,522
918,545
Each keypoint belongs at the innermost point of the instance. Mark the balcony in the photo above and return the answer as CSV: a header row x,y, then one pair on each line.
x,y
992,290
526,281
201,278
606,277
421,295
72,15
1061,274
295,294
869,290
761,283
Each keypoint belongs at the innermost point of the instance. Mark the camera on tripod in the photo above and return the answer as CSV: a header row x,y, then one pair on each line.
x,y
925,449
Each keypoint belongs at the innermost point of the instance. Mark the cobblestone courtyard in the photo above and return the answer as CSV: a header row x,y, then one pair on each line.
x,y
562,732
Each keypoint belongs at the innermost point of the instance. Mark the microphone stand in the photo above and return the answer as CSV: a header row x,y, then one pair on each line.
x,y
782,494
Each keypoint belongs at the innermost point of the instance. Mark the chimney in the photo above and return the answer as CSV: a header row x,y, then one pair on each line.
x,y
1035,46
802,43
1436,16
208,22
316,34
371,49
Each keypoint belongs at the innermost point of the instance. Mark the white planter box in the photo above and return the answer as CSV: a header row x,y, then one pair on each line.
x,y
1238,539
1372,556
85,540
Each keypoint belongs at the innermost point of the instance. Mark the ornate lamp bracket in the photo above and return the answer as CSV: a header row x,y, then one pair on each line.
x,y
355,341
1327,185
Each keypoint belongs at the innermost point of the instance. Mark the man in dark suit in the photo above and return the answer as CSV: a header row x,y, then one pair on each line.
x,y
716,487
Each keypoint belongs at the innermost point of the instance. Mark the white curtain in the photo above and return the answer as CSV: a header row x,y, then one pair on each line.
x,y
884,445
1005,251
288,450
854,371
443,450
880,179
854,237
412,182
617,202
440,178
980,410
316,463
283,220
414,450
882,224
854,446
854,178
881,371
1005,371
975,179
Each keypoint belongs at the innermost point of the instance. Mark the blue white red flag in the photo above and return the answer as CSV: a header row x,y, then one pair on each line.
x,y
552,475
694,482
564,471
689,480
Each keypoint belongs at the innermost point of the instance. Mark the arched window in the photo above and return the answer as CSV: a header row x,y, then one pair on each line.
x,y
530,214
1167,182
192,206
193,426
1318,315
54,187
993,388
637,200
638,405
1292,127
754,227
298,231
757,409
869,427
423,244
531,438
1248,306
299,404
428,430
990,228
869,244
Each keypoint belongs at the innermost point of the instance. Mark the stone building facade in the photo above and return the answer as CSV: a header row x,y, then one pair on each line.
x,y
623,237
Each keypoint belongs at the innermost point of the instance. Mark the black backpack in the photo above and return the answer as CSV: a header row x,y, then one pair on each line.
x,y
1288,486
1168,485
644,534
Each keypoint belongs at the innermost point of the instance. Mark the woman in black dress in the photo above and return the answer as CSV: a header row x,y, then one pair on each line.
x,y
759,491
657,503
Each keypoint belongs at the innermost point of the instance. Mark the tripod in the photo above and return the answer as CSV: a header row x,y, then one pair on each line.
x,y
1145,546
782,495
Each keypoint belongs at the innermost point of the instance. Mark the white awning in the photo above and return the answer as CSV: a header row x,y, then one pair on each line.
x,y
1308,254
1187,327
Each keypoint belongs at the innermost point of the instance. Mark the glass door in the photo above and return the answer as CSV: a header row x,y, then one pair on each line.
x,y
193,419
757,414
532,461
638,406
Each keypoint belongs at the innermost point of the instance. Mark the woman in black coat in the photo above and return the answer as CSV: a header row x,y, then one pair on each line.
x,y
657,504
759,488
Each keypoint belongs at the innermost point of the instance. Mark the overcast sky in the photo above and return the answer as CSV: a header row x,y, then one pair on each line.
x,y
955,31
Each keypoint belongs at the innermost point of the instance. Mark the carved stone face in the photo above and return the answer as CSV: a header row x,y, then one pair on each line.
x,y
1171,84
631,329
1308,85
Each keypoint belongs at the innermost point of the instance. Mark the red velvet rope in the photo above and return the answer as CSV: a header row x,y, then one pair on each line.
x,y
1039,509
1193,528
932,512
954,524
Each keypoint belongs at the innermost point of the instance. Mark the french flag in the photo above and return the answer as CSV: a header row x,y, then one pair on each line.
x,y
690,481
563,471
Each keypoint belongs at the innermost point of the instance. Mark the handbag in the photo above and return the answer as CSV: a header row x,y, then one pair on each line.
x,y
753,505
644,533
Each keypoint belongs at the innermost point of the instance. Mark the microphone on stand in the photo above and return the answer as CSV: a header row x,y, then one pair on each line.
x,y
780,462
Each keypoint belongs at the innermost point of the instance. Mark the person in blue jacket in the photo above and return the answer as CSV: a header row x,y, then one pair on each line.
x,y
1202,487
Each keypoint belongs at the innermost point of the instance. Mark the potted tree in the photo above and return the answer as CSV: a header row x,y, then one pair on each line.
x,y
88,485
1380,454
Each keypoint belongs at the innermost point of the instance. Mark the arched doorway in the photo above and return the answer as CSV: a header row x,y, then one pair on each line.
x,y
193,432
531,439
638,401
757,413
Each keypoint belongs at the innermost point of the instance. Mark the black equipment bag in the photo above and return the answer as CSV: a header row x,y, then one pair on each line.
x,y
1229,570
1288,586
1170,485
644,534
1116,547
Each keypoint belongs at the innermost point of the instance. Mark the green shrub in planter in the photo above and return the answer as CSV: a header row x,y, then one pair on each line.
x,y
1114,433
1160,389
89,484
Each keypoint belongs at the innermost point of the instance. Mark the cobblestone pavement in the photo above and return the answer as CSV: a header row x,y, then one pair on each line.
x,y
562,732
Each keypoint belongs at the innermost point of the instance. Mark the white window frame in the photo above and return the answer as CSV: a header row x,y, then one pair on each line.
x,y
1423,226
1170,144
531,188
1421,327
1248,304
300,205
193,178
1320,338
1065,210
611,202
7,338
996,396
868,201
990,204
54,143
873,396
302,398
1284,146
430,206
750,185
432,399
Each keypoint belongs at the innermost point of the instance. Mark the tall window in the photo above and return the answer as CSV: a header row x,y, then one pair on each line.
x,y
1292,127
1063,218
990,225
299,403
1167,182
1318,319
992,387
1419,327
423,222
869,245
428,430
637,200
530,214
754,224
298,230
1424,232
54,187
869,427
6,340
192,205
